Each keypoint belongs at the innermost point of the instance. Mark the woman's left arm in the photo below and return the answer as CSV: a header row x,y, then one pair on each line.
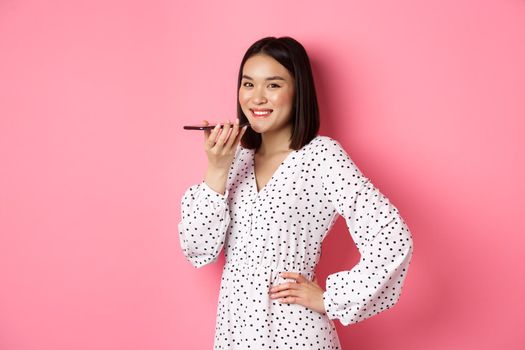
x,y
379,232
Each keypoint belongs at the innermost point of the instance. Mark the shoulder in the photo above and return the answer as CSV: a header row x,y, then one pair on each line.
x,y
330,155
327,146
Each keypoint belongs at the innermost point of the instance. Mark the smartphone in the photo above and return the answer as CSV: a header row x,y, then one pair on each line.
x,y
209,127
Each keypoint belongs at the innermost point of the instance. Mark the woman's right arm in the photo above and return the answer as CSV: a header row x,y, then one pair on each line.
x,y
205,213
204,219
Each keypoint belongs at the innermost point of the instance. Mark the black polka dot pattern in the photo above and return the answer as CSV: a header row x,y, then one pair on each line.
x,y
281,228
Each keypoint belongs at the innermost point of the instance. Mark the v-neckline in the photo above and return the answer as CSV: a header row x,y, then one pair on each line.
x,y
275,173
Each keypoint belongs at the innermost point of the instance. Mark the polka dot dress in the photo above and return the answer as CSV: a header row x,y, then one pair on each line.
x,y
281,228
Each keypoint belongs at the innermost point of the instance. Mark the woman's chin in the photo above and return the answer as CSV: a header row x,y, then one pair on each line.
x,y
257,126
257,130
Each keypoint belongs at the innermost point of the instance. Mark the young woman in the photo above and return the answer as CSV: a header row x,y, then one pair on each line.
x,y
270,195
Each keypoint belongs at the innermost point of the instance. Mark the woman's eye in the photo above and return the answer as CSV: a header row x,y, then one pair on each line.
x,y
248,84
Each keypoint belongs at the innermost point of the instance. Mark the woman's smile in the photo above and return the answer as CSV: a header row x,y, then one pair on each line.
x,y
261,113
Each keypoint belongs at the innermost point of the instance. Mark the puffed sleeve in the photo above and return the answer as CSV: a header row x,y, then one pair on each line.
x,y
204,220
379,232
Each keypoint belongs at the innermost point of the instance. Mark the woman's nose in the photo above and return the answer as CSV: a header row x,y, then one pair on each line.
x,y
258,97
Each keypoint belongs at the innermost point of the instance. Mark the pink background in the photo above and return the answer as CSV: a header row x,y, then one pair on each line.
x,y
426,96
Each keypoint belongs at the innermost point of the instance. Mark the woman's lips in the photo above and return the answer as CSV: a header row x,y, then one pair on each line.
x,y
261,113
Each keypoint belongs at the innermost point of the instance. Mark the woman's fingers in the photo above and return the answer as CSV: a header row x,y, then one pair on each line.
x,y
224,133
285,286
290,292
289,289
296,276
236,134
206,131
222,137
235,130
212,136
239,135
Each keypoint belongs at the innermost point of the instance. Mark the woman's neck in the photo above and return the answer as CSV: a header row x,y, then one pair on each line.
x,y
275,141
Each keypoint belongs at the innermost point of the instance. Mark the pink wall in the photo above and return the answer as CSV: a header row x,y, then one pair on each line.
x,y
426,96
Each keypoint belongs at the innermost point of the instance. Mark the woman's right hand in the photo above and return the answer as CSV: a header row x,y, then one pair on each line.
x,y
220,147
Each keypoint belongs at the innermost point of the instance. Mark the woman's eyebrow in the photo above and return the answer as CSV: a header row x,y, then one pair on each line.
x,y
275,77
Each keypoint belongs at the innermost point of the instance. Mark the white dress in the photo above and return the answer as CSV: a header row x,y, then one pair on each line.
x,y
281,228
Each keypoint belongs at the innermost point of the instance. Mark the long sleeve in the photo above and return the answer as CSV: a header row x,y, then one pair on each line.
x,y
380,234
204,221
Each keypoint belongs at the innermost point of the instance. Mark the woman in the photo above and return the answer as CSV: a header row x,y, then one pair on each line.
x,y
270,195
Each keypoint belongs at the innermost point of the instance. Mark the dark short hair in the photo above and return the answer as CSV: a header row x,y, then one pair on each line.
x,y
305,111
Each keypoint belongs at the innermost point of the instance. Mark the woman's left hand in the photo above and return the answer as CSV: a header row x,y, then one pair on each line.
x,y
302,291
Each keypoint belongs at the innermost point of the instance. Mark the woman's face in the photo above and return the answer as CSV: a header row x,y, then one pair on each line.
x,y
268,88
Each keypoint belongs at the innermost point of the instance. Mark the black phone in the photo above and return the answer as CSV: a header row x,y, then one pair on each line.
x,y
209,127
